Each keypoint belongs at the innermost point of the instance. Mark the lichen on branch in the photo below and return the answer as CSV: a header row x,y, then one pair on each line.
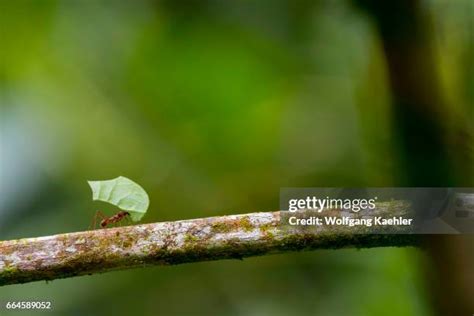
x,y
168,243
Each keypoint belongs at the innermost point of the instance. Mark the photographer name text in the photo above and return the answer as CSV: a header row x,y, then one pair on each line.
x,y
353,205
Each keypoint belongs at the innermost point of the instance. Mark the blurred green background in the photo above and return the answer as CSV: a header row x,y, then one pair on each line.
x,y
211,106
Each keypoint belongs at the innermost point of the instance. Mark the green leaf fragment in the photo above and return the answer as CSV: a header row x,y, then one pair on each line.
x,y
123,193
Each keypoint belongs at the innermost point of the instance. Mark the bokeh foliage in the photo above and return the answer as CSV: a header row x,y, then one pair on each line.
x,y
212,107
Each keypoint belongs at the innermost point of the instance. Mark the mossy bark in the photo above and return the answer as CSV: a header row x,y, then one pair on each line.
x,y
167,243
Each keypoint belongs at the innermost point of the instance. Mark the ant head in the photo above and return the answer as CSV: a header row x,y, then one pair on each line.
x,y
103,223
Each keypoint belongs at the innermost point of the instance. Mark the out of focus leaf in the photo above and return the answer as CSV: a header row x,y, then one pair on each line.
x,y
123,193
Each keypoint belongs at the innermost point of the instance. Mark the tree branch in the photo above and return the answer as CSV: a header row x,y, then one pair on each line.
x,y
168,243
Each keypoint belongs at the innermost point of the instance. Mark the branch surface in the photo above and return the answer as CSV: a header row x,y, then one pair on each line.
x,y
169,243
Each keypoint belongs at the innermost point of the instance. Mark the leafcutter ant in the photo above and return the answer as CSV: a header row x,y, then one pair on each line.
x,y
106,221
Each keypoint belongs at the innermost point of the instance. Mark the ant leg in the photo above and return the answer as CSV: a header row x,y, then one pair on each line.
x,y
97,214
124,221
102,216
94,220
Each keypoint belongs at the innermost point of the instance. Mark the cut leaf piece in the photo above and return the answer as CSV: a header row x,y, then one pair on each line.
x,y
123,193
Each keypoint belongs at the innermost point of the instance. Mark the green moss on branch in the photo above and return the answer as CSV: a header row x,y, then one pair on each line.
x,y
215,238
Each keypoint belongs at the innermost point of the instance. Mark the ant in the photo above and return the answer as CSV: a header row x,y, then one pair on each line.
x,y
105,221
